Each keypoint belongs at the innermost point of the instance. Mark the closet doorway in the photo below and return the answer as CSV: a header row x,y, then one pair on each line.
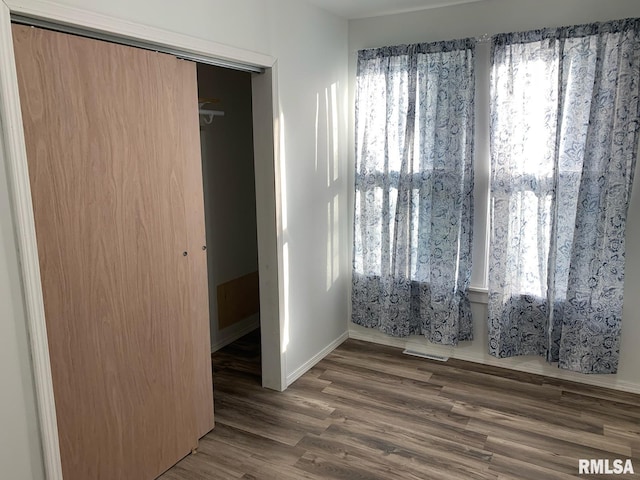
x,y
268,209
226,137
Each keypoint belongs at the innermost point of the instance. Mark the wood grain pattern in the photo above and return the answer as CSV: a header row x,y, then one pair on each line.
x,y
189,148
238,299
369,412
109,155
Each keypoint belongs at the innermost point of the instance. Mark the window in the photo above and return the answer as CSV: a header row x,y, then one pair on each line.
x,y
414,189
564,117
563,140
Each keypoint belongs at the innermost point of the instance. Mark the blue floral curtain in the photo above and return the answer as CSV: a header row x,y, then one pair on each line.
x,y
414,186
564,140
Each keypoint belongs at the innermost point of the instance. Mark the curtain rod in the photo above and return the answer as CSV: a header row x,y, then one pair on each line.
x,y
484,38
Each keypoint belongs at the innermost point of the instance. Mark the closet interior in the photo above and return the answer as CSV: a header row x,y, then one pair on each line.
x,y
226,136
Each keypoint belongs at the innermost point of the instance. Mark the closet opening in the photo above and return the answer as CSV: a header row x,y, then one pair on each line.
x,y
265,114
228,173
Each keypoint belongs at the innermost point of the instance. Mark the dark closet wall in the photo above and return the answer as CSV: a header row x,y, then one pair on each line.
x,y
230,199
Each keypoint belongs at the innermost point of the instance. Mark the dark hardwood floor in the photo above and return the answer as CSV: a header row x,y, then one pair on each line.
x,y
370,412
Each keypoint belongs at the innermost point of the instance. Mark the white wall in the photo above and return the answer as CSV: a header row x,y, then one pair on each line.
x,y
229,190
311,49
20,450
474,20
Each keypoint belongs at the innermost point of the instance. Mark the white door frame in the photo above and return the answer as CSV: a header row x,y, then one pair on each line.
x,y
267,165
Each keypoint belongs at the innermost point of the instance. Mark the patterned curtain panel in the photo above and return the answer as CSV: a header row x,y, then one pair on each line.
x,y
414,189
564,139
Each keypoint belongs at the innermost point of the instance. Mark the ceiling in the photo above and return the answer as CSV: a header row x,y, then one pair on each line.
x,y
352,9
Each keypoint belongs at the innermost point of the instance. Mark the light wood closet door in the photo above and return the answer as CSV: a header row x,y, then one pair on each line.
x,y
114,162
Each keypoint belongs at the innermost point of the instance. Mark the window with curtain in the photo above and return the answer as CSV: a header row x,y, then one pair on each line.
x,y
414,189
564,140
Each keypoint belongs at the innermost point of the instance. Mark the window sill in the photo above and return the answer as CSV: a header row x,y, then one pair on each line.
x,y
479,295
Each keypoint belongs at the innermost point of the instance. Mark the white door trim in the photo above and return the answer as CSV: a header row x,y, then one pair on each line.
x,y
15,157
87,20
12,147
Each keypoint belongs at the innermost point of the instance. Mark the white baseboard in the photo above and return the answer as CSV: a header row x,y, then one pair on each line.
x,y
234,332
308,365
529,364
414,343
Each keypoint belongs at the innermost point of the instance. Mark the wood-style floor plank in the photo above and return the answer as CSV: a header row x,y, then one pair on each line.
x,y
369,412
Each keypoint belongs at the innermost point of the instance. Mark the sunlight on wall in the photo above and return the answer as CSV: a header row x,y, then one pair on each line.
x,y
285,283
280,153
333,178
283,172
336,238
328,117
329,247
317,126
334,131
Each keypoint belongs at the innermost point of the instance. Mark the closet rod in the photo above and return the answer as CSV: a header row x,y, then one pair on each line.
x,y
213,113
217,62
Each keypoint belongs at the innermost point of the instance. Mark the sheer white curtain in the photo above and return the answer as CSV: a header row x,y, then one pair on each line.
x,y
414,188
564,123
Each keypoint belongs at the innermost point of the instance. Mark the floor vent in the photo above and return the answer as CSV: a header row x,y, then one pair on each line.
x,y
428,356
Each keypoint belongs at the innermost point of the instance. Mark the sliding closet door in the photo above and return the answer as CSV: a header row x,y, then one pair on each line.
x,y
198,280
114,162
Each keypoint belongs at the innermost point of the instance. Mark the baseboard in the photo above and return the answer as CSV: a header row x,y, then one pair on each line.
x,y
533,365
410,343
234,332
308,365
